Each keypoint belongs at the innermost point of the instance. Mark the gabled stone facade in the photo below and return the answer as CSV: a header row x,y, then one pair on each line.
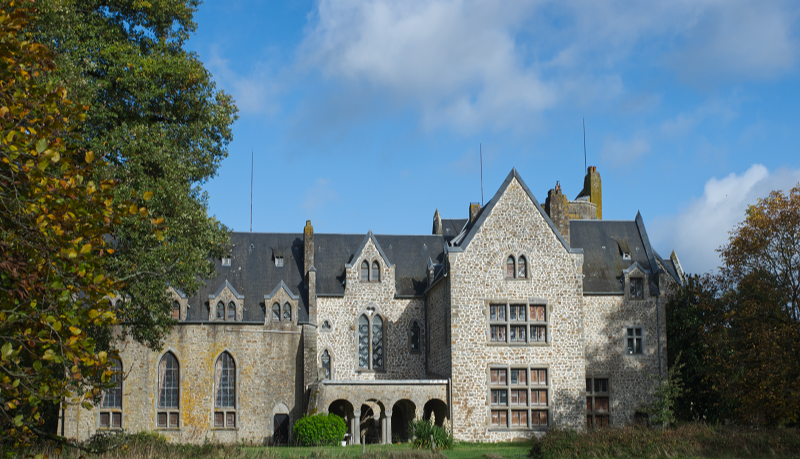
x,y
507,323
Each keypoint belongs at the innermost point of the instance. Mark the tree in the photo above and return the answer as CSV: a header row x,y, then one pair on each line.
x,y
53,283
157,120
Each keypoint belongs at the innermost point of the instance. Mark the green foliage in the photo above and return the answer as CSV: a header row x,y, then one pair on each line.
x,y
320,429
161,126
421,431
666,391
53,283
687,440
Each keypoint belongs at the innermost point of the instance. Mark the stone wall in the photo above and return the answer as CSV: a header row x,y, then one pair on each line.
x,y
343,312
268,375
477,277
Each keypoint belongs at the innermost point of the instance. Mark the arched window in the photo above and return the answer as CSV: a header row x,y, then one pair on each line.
x,y
220,311
364,270
176,310
225,397
326,364
287,312
413,337
370,342
376,272
510,271
522,270
169,392
111,405
276,312
231,311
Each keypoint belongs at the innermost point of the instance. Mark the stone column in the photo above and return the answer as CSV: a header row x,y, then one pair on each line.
x,y
357,427
389,427
383,430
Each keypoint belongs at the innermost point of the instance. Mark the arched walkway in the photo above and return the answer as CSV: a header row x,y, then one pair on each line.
x,y
403,412
344,410
438,408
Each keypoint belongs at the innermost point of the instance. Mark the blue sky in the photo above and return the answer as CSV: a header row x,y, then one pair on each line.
x,y
369,114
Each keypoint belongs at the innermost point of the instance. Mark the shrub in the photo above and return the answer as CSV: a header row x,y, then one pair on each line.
x,y
421,431
319,430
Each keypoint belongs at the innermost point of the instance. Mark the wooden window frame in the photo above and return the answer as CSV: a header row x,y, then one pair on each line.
x,y
598,417
518,403
504,326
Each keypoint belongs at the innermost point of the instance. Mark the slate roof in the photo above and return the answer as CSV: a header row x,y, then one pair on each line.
x,y
452,226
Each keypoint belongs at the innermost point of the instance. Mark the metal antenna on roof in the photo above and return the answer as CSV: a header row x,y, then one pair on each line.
x,y
480,147
584,144
251,189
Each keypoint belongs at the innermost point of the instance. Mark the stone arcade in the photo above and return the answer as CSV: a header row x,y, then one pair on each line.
x,y
509,322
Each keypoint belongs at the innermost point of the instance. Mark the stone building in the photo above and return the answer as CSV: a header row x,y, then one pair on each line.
x,y
514,320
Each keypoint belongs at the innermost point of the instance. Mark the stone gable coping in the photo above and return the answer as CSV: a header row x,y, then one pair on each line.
x,y
222,287
285,287
467,238
364,244
225,294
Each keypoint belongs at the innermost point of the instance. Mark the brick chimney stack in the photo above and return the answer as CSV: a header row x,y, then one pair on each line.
x,y
437,223
309,272
593,189
474,211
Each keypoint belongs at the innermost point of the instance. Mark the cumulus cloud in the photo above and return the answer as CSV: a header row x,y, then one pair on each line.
x,y
703,226
481,64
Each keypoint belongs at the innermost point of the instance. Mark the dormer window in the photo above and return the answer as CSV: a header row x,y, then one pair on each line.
x,y
226,261
278,262
626,255
287,312
276,312
364,270
637,287
376,272
220,311
232,311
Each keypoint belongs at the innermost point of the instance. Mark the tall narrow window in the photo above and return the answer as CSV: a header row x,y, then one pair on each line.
x,y
597,402
637,287
232,311
510,267
414,337
111,405
363,342
220,311
287,312
376,272
276,312
168,392
176,310
522,270
370,342
364,271
326,364
225,384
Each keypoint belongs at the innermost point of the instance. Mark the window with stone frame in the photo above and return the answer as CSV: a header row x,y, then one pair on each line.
x,y
176,310
326,361
231,311
225,392
371,342
169,392
220,311
518,397
637,287
511,267
598,403
522,267
517,323
111,403
414,337
365,270
634,340
376,272
276,312
287,312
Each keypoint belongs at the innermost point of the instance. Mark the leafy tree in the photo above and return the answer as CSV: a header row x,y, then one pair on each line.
x,y
53,281
156,118
666,391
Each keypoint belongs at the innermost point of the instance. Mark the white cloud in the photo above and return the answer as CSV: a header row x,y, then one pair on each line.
x,y
701,228
621,153
253,93
723,110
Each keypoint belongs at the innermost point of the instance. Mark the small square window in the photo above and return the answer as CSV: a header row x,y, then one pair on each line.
x,y
104,420
498,333
219,419
173,419
519,376
226,261
230,420
162,419
116,420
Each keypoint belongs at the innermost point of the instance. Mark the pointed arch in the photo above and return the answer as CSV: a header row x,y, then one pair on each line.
x,y
376,272
276,312
287,312
231,311
365,270
510,267
176,310
220,311
111,403
225,391
326,359
522,267
169,391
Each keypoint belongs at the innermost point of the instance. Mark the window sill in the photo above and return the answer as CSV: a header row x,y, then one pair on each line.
x,y
516,344
231,429
169,429
107,429
518,279
367,371
519,429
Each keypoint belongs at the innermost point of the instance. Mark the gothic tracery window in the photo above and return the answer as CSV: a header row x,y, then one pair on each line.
x,y
370,342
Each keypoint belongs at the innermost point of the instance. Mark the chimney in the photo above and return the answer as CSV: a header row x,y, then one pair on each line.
x,y
592,189
557,207
474,211
309,272
437,223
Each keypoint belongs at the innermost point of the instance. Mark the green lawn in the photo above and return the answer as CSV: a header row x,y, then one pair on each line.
x,y
518,450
